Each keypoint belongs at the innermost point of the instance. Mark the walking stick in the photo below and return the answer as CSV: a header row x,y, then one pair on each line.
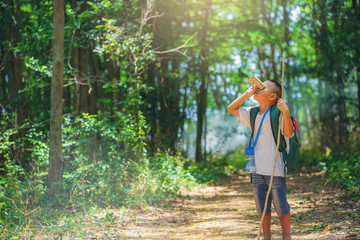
x,y
277,150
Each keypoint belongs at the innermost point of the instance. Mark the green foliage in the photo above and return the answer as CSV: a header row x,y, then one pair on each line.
x,y
314,228
10,187
20,189
162,179
108,159
342,169
345,172
207,171
105,164
309,157
235,160
218,166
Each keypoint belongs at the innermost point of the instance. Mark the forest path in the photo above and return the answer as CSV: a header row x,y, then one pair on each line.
x,y
226,210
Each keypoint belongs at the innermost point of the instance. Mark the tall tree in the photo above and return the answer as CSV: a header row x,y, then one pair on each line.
x,y
356,46
16,72
56,164
289,87
81,57
325,73
95,76
202,97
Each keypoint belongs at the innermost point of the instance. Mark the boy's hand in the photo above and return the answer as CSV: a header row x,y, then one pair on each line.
x,y
288,124
282,106
251,91
233,108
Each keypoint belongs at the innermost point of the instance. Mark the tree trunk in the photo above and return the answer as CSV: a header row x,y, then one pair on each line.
x,y
75,65
100,96
358,89
67,99
80,64
3,85
55,162
83,73
95,73
190,69
202,98
100,93
287,66
326,74
267,20
308,118
356,11
151,98
273,63
342,112
165,107
114,75
174,100
15,70
169,117
321,116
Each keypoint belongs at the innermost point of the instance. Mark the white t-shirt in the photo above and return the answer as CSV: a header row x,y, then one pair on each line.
x,y
265,148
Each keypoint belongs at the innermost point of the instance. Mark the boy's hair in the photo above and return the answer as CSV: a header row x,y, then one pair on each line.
x,y
277,88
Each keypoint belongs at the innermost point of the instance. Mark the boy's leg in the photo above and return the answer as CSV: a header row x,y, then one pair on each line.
x,y
260,188
285,224
266,226
282,207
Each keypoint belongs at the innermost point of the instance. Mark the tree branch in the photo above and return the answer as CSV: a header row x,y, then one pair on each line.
x,y
179,48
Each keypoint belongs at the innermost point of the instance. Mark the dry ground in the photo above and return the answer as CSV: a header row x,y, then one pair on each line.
x,y
226,210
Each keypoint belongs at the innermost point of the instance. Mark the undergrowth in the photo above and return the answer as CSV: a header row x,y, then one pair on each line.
x,y
217,166
341,167
105,165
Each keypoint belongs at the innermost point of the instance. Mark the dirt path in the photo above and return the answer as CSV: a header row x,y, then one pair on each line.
x,y
226,210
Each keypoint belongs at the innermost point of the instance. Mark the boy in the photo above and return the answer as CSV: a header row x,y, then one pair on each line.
x,y
265,153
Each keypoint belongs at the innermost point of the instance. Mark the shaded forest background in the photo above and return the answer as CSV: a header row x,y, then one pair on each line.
x,y
143,83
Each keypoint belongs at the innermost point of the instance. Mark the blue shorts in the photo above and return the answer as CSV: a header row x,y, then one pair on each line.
x,y
260,184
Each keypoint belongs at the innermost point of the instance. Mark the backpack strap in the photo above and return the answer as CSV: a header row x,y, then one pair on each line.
x,y
274,116
253,112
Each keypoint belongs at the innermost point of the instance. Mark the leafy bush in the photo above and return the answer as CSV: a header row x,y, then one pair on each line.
x,y
163,178
105,164
102,155
309,157
345,171
207,171
218,166
341,168
109,162
236,159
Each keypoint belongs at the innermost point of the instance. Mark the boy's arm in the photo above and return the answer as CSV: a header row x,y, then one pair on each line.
x,y
288,127
233,108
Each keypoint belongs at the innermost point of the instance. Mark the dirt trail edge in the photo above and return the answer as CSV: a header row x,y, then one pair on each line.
x,y
226,210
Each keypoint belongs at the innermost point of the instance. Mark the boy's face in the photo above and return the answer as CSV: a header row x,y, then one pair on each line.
x,y
265,95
